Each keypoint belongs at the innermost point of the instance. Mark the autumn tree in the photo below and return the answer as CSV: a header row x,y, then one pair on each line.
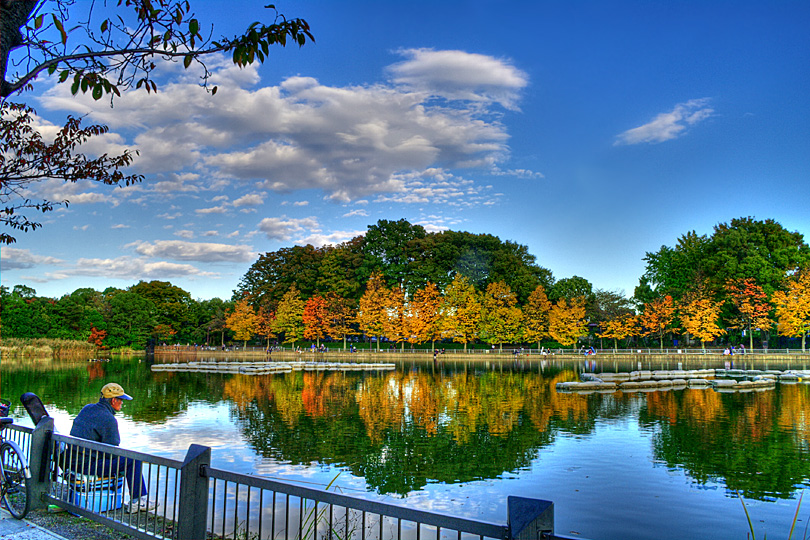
x,y
566,321
752,305
290,316
97,337
267,319
658,318
700,313
461,311
535,316
621,327
372,314
242,321
424,315
112,48
793,306
502,318
396,309
315,319
339,316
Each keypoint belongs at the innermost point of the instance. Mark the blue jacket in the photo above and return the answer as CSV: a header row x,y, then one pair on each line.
x,y
96,422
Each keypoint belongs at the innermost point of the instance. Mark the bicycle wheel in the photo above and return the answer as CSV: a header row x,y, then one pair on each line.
x,y
14,475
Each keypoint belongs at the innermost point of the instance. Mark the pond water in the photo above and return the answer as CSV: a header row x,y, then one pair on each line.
x,y
459,437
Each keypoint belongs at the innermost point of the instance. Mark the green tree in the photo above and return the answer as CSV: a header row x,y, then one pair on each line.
x,y
269,278
173,306
130,320
112,48
763,251
390,248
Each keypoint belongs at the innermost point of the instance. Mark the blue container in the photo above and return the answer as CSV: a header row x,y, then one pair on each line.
x,y
94,493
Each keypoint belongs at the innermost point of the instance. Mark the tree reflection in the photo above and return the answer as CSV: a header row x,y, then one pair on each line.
x,y
449,423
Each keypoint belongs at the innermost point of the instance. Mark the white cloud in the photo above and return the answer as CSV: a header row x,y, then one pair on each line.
x,y
283,228
185,233
15,259
335,237
667,126
349,142
460,75
193,251
251,199
134,269
359,212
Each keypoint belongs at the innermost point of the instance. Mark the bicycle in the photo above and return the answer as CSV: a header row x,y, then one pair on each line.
x,y
14,471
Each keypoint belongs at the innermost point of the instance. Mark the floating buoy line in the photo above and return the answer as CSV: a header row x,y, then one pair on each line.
x,y
721,380
266,368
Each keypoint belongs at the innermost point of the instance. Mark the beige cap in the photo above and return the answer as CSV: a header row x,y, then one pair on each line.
x,y
112,390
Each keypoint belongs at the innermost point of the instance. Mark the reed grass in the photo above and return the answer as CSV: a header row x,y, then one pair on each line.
x,y
46,347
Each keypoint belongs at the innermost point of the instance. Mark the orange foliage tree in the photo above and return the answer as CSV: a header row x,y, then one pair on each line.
x,y
316,320
264,326
658,318
700,313
97,337
793,306
751,303
566,322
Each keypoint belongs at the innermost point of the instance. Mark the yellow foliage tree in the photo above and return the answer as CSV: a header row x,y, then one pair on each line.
x,y
793,306
752,304
461,311
502,319
372,314
424,314
535,313
620,327
243,321
395,325
290,316
566,322
699,315
658,318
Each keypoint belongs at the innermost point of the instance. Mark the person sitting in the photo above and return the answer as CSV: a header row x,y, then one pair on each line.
x,y
96,422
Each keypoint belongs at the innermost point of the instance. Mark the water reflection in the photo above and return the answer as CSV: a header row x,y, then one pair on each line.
x,y
454,422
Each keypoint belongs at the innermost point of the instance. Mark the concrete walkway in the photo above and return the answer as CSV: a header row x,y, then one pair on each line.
x,y
15,529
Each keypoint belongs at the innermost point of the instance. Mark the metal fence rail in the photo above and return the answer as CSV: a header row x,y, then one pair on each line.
x,y
244,506
196,501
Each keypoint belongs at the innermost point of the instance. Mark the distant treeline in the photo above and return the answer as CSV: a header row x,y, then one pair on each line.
x,y
743,262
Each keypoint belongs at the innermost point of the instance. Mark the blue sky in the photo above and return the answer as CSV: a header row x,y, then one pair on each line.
x,y
592,132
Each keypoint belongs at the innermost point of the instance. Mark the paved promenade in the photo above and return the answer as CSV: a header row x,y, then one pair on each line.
x,y
15,529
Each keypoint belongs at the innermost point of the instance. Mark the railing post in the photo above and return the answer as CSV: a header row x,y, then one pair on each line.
x,y
193,506
39,463
529,519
